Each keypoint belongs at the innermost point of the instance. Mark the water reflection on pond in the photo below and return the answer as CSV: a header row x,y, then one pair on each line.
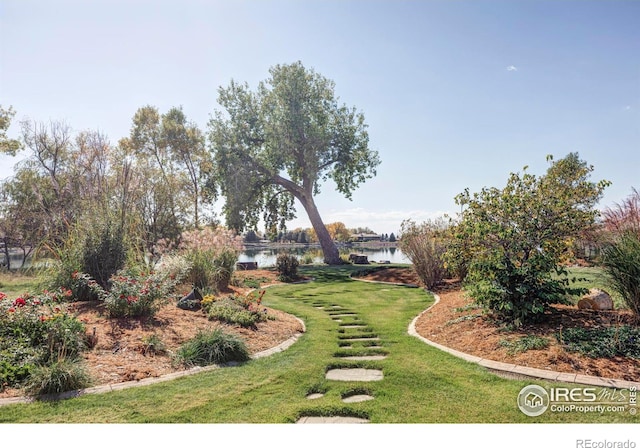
x,y
266,257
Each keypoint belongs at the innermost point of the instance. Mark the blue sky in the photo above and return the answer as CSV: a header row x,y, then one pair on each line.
x,y
456,94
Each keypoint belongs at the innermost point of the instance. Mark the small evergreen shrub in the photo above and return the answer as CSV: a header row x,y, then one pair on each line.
x,y
213,347
287,267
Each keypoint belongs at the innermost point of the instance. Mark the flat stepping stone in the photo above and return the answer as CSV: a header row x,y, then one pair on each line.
x,y
354,375
364,358
344,315
314,396
353,326
332,419
360,339
357,398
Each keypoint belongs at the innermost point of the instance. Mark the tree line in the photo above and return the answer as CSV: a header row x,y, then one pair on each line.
x,y
262,151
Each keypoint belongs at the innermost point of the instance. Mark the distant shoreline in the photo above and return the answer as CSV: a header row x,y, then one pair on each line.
x,y
355,245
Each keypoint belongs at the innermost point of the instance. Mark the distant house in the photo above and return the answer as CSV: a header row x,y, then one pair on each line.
x,y
361,237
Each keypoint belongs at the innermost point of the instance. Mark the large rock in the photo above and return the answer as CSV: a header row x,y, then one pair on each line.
x,y
597,299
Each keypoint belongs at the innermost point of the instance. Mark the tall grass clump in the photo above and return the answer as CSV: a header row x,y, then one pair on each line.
x,y
212,254
212,347
621,265
425,246
59,376
620,255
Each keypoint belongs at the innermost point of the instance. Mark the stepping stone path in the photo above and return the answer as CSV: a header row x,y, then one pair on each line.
x,y
358,334
354,375
357,398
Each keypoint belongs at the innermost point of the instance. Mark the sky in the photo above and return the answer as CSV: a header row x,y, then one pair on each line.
x,y
456,94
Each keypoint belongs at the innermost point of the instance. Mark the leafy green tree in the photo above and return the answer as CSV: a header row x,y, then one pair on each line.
x,y
281,142
516,237
187,147
8,145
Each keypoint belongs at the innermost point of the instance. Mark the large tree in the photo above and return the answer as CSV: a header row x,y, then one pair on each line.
x,y
281,142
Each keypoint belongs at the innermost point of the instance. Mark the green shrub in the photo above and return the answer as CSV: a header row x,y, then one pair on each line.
x,y
236,311
525,343
153,345
213,347
62,375
138,293
104,252
95,247
621,265
287,267
603,342
515,239
13,374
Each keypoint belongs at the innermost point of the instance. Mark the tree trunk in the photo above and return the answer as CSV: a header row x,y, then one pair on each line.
x,y
6,253
329,248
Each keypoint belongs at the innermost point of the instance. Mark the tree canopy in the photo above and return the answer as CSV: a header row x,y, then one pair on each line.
x,y
281,142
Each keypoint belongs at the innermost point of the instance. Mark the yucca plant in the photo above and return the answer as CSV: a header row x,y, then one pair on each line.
x,y
621,265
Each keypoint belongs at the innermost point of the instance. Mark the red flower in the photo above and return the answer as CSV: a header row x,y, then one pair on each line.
x,y
2,295
19,302
11,310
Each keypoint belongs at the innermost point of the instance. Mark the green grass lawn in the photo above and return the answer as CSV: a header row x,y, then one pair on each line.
x,y
421,384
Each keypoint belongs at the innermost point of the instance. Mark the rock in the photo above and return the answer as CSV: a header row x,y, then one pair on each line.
x,y
586,304
598,300
191,301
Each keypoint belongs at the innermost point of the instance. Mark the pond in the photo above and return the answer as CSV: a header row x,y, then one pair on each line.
x,y
266,257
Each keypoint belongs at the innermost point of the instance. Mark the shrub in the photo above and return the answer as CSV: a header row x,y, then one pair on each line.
x,y
525,343
604,342
104,252
62,375
44,322
12,374
621,265
95,247
517,237
214,347
235,310
425,245
153,345
137,294
287,267
212,254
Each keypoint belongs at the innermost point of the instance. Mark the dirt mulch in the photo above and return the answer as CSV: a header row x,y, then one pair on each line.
x,y
456,323
122,352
